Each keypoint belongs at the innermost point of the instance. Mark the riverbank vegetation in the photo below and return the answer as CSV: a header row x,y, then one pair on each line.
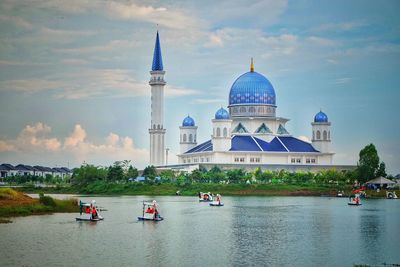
x,y
121,178
14,203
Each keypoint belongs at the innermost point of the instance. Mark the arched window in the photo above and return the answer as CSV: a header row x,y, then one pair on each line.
x,y
195,138
218,132
240,129
263,129
235,110
225,132
184,137
329,135
318,135
252,109
242,109
190,138
325,135
154,126
313,135
158,126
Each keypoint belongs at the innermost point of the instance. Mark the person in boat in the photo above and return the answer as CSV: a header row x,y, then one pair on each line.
x,y
219,199
80,207
94,213
155,213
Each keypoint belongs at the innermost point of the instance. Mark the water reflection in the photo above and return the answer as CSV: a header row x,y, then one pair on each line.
x,y
247,231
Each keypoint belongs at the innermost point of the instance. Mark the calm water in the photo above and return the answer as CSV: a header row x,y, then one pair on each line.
x,y
250,231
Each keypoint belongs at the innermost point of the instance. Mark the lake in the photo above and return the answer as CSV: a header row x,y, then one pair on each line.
x,y
247,231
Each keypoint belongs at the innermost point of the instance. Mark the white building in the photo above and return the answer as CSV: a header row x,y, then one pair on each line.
x,y
157,130
249,134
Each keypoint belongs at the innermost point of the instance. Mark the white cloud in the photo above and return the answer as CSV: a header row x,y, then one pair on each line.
x,y
74,61
342,26
208,100
92,83
33,141
29,86
18,21
171,18
214,41
321,41
4,146
77,136
342,80
30,138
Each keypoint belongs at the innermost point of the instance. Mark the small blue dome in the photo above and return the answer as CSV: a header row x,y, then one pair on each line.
x,y
188,121
321,117
222,114
252,88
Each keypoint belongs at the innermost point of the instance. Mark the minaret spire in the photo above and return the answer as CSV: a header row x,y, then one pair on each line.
x,y
157,58
157,130
251,65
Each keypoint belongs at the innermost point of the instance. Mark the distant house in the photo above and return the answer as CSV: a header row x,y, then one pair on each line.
x,y
25,169
62,172
7,170
43,171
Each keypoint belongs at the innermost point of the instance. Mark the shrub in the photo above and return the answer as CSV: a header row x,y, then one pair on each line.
x,y
46,200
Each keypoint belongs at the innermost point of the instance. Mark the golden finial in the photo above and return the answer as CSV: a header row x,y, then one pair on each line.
x,y
252,65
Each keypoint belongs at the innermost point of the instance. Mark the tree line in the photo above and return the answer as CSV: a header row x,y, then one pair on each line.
x,y
369,166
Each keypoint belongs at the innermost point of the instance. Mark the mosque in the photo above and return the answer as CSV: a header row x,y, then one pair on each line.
x,y
248,134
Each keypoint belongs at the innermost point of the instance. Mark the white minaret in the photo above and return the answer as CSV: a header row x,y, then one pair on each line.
x,y
157,131
188,132
221,137
321,133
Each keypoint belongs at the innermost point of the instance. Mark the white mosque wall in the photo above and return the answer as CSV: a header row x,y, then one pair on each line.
x,y
253,123
240,157
188,138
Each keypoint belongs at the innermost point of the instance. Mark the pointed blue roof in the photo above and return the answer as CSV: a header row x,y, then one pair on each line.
x,y
157,58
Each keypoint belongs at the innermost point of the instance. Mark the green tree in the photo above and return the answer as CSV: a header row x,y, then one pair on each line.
x,y
368,163
236,176
150,173
198,176
167,176
88,173
215,175
381,170
115,172
132,172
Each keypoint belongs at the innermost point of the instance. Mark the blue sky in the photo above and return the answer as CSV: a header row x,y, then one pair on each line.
x,y
74,74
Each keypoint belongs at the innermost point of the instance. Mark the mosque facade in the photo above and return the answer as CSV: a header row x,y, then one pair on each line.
x,y
248,133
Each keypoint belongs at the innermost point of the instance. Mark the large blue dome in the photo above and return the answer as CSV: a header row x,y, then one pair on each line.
x,y
188,121
321,117
252,88
222,114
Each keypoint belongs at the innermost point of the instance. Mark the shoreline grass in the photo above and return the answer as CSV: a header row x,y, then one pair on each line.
x,y
169,189
15,204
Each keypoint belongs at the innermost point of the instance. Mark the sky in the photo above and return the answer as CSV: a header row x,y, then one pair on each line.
x,y
74,74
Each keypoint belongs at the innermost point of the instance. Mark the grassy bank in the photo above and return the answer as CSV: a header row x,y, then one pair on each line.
x,y
14,203
103,188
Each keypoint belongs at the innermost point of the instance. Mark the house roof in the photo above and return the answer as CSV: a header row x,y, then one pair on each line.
x,y
6,167
380,180
22,167
251,143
